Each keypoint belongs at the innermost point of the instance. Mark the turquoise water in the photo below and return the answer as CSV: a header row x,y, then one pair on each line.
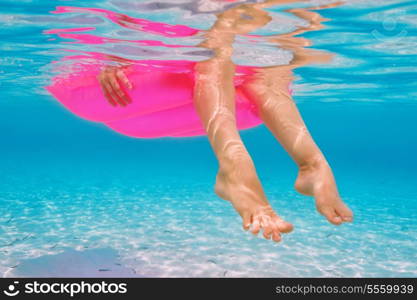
x,y
69,184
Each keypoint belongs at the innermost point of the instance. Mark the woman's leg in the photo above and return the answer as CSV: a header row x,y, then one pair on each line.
x,y
237,181
269,90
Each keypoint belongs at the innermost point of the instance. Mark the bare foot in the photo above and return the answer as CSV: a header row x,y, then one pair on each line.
x,y
243,189
316,179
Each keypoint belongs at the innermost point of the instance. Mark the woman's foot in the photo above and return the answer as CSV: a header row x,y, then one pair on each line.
x,y
242,188
316,179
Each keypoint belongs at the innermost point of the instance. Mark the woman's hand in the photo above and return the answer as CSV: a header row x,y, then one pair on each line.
x,y
114,82
242,19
